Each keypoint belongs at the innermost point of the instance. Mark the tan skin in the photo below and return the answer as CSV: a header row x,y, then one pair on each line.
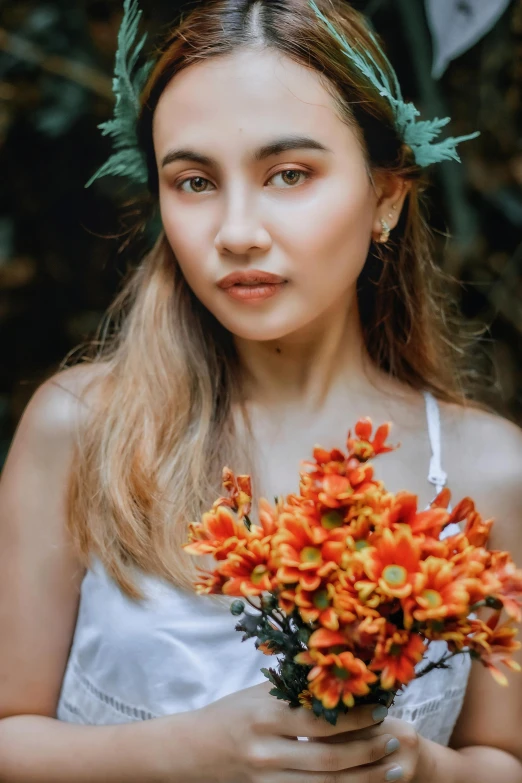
x,y
309,380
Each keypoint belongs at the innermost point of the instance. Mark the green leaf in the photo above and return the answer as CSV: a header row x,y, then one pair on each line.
x,y
279,694
419,135
128,82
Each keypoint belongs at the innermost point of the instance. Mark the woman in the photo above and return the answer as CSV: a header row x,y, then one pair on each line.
x,y
290,292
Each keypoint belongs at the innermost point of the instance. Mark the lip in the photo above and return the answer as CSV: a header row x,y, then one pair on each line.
x,y
254,293
250,277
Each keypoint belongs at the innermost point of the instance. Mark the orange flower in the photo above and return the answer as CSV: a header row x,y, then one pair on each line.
x,y
333,461
391,564
239,490
368,514
268,517
305,699
453,632
248,570
510,579
346,601
324,637
428,523
495,644
345,604
396,656
443,499
362,446
477,530
209,583
336,677
334,491
217,534
266,648
364,635
315,606
437,593
299,555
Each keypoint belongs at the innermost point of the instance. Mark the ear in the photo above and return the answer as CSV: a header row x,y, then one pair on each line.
x,y
391,191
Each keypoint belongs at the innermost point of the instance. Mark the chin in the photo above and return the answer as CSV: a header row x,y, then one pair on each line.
x,y
262,327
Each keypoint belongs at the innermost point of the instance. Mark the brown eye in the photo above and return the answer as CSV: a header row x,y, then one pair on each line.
x,y
291,177
196,185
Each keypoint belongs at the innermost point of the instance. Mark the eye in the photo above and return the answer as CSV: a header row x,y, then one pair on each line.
x,y
196,185
292,177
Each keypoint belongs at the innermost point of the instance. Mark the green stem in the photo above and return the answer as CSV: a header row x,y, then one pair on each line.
x,y
251,604
266,613
439,664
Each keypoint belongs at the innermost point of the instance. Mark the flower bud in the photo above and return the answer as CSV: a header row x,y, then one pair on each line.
x,y
237,607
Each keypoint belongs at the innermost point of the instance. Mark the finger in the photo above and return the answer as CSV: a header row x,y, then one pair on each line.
x,y
301,722
322,757
389,726
379,773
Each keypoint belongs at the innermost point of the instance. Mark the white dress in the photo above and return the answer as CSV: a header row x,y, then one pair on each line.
x,y
177,651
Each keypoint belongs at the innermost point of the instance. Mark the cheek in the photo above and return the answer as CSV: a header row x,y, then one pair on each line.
x,y
335,238
183,232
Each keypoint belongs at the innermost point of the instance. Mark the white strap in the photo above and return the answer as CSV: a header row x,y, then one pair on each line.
x,y
436,476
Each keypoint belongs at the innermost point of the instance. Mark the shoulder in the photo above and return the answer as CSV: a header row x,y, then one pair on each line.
x,y
56,412
63,402
482,454
477,441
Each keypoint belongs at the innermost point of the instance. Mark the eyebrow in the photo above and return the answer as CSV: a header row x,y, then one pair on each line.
x,y
276,147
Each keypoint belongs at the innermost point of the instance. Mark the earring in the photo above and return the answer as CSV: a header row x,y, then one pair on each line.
x,y
385,232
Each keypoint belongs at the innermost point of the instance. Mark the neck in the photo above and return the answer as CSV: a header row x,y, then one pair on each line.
x,y
308,367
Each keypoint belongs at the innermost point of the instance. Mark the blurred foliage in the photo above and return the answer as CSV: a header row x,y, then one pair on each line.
x,y
59,260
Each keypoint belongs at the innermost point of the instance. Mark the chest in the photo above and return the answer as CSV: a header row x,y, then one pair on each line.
x,y
279,455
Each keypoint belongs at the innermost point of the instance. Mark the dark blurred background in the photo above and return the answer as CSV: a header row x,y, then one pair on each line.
x,y
60,263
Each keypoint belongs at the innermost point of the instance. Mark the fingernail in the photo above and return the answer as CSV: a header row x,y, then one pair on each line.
x,y
395,773
380,712
391,746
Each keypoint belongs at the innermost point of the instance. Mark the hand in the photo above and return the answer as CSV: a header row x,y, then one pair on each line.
x,y
250,737
403,762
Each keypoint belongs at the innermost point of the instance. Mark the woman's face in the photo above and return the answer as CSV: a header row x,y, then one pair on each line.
x,y
259,174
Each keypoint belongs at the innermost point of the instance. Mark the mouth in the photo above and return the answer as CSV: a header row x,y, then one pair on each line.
x,y
250,278
252,285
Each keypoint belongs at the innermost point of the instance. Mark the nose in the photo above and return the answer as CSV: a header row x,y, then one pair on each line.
x,y
241,230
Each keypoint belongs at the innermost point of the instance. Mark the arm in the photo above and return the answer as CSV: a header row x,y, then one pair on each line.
x,y
39,590
37,749
486,744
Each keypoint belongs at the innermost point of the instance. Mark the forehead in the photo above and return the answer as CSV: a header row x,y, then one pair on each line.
x,y
243,97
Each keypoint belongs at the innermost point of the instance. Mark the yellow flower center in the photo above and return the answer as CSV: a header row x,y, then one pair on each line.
x,y
310,554
433,598
321,599
340,673
395,575
362,544
258,574
331,520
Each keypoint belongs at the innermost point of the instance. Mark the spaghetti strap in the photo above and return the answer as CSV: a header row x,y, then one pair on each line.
x,y
437,475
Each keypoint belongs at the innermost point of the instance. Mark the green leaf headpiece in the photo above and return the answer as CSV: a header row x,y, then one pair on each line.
x,y
128,160
418,135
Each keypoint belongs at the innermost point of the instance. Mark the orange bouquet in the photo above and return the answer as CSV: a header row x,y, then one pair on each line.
x,y
353,582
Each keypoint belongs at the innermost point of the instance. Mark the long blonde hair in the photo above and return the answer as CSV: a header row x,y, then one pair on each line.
x,y
150,459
